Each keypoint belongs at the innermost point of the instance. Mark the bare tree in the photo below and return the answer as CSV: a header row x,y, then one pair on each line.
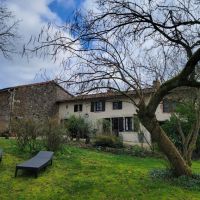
x,y
8,31
123,46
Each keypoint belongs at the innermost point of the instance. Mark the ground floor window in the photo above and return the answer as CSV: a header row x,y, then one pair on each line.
x,y
120,124
128,123
78,108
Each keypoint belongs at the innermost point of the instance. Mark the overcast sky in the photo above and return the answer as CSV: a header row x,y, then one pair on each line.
x,y
33,15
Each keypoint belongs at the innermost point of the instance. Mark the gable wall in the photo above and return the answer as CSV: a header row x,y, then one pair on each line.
x,y
37,102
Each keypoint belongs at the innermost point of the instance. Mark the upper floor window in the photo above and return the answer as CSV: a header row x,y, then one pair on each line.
x,y
97,106
168,105
117,105
78,107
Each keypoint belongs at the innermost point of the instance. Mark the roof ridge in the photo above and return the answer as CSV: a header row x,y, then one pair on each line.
x,y
35,84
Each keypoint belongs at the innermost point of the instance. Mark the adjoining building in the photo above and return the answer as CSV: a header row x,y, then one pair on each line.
x,y
34,101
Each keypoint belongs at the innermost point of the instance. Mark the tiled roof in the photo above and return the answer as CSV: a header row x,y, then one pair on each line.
x,y
103,95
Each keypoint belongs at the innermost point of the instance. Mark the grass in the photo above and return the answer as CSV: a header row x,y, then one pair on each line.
x,y
85,174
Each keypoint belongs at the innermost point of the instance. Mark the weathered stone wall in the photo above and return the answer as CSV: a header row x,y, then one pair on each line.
x,y
4,110
37,101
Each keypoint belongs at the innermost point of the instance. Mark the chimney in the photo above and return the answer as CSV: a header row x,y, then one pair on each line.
x,y
109,90
156,84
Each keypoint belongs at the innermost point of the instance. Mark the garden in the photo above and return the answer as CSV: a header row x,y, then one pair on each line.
x,y
79,173
88,165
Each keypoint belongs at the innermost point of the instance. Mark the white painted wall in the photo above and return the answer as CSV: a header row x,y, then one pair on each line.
x,y
128,110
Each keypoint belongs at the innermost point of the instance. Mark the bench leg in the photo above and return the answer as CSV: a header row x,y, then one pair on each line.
x,y
16,172
36,173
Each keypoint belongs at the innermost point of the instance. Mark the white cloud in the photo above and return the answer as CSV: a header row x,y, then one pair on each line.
x,y
89,5
33,16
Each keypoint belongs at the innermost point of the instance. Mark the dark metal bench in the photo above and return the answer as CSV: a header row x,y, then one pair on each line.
x,y
1,154
38,162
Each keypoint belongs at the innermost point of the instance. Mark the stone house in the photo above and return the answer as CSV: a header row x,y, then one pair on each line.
x,y
33,101
115,108
40,101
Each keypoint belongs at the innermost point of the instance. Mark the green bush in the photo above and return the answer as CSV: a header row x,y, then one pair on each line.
x,y
106,126
27,131
188,182
108,141
187,116
53,134
78,128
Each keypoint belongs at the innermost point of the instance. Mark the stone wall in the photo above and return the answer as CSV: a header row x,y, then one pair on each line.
x,y
36,101
4,110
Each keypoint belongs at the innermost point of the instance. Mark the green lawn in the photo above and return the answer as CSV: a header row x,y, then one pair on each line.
x,y
86,174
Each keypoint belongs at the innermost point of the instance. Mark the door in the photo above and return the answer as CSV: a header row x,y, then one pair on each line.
x,y
117,125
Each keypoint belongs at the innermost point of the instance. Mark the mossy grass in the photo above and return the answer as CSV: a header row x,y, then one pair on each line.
x,y
79,173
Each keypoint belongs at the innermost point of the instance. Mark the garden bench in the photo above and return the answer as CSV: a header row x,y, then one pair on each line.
x,y
38,162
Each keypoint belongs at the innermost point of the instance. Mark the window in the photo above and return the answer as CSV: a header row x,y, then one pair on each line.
x,y
117,105
168,105
128,123
98,106
78,107
117,125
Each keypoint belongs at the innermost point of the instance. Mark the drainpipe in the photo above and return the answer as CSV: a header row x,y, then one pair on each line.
x,y
11,106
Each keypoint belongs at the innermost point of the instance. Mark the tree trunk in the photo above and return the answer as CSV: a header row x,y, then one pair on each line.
x,y
177,162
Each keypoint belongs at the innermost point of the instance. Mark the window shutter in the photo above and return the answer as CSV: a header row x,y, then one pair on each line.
x,y
92,107
75,108
80,107
121,124
103,105
120,105
136,123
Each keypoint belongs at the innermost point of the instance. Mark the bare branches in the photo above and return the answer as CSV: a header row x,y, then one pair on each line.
x,y
124,46
8,31
127,44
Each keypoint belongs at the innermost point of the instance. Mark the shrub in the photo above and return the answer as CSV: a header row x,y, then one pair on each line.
x,y
27,131
78,128
140,151
108,141
53,133
106,126
185,113
188,182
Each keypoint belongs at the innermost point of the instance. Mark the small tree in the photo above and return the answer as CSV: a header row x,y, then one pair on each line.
x,y
78,128
106,126
52,133
27,131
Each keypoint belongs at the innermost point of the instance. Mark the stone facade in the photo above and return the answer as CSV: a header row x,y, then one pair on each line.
x,y
35,101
